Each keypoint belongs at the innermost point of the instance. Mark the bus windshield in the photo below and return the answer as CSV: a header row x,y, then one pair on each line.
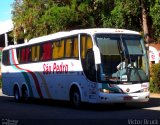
x,y
123,58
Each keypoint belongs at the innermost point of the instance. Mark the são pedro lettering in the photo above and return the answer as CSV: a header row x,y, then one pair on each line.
x,y
55,68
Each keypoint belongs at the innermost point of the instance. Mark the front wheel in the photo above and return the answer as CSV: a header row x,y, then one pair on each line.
x,y
75,99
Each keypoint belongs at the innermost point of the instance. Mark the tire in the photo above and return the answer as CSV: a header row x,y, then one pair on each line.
x,y
17,96
25,94
75,98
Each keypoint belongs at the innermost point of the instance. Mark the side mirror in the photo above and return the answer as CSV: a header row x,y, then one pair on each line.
x,y
97,55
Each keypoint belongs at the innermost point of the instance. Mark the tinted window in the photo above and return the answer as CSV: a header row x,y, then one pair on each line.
x,y
5,58
46,49
24,55
35,53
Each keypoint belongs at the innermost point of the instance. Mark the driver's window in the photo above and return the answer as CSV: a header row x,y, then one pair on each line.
x,y
87,57
86,43
89,67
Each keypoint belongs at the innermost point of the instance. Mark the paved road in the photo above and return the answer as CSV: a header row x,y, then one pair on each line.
x,y
54,112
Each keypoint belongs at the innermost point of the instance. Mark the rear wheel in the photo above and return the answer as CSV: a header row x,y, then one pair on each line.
x,y
25,94
17,96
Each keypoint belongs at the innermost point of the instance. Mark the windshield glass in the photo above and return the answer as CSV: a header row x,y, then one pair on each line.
x,y
123,58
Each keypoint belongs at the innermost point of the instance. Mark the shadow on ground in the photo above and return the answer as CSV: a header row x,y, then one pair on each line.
x,y
153,102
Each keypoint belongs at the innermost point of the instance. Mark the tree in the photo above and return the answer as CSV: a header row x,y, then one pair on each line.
x,y
144,4
58,18
33,19
122,14
26,15
155,14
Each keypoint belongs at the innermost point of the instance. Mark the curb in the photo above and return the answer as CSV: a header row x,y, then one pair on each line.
x,y
155,95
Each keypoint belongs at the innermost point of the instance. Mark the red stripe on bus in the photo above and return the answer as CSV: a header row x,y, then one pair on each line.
x,y
33,75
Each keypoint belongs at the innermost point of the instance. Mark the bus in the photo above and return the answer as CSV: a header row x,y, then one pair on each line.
x,y
97,65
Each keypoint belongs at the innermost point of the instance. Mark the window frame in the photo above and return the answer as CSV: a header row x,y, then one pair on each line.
x,y
72,37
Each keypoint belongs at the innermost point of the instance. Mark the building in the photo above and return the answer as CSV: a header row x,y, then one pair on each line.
x,y
154,53
5,30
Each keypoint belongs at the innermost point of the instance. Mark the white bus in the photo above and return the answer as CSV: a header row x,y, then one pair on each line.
x,y
100,65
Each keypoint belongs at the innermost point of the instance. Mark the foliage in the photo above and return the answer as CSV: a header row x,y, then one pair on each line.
x,y
155,78
32,18
123,15
155,14
57,18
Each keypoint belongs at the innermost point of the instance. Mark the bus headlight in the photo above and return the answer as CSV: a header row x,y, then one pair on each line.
x,y
104,90
145,90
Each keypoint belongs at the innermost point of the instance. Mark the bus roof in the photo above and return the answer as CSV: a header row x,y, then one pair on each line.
x,y
74,32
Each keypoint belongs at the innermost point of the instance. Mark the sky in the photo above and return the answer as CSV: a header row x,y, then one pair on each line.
x,y
5,10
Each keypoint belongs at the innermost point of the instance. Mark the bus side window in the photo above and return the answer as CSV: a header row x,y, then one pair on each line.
x,y
89,43
46,51
61,49
54,51
5,58
75,47
68,48
35,50
33,53
71,47
58,49
27,55
86,43
83,39
87,57
22,60
18,50
90,69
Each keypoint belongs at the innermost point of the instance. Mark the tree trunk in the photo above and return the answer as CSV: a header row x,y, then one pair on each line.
x,y
145,24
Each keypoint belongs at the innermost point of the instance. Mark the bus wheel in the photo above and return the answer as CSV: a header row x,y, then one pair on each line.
x,y
25,94
17,97
75,98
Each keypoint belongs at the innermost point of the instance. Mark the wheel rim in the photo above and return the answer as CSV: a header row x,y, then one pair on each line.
x,y
25,95
76,99
16,95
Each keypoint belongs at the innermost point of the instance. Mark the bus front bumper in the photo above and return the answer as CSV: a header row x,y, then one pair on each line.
x,y
122,98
